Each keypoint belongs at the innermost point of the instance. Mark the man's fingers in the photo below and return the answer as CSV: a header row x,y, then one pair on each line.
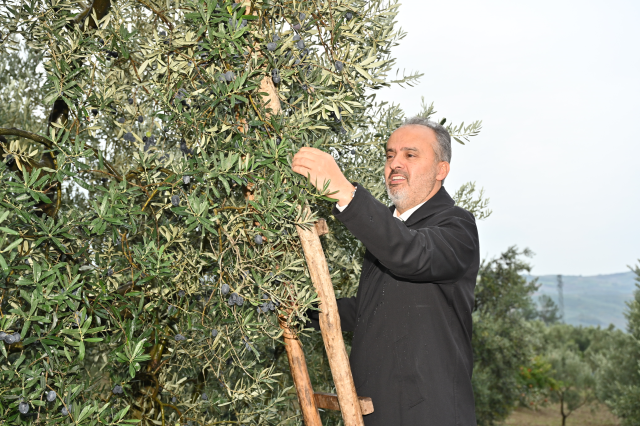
x,y
306,152
297,164
314,164
308,174
306,155
302,167
304,162
301,170
309,149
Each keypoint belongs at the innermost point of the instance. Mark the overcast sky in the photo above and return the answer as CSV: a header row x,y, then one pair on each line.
x,y
557,85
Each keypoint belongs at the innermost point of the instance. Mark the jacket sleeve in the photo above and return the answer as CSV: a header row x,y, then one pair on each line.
x,y
440,254
346,310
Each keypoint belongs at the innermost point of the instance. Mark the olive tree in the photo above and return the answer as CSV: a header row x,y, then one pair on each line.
x,y
506,370
147,207
618,371
574,378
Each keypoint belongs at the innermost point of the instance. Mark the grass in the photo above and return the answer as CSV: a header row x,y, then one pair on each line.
x,y
594,415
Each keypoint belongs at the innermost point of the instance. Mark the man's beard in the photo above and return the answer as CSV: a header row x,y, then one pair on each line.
x,y
413,193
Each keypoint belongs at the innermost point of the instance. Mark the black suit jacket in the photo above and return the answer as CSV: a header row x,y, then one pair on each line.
x,y
411,317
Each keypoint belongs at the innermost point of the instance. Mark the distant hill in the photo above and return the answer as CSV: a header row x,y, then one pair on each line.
x,y
591,301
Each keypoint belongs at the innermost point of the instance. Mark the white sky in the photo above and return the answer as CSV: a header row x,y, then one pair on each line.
x,y
557,85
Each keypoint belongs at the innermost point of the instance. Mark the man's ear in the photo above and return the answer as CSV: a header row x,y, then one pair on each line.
x,y
443,170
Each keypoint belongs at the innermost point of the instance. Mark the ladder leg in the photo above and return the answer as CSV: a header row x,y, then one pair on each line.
x,y
330,327
300,374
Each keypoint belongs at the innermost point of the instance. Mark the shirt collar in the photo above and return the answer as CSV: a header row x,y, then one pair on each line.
x,y
405,216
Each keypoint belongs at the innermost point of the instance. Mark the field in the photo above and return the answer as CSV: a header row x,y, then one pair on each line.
x,y
594,415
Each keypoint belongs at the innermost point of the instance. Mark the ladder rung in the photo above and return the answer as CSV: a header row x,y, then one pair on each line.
x,y
329,401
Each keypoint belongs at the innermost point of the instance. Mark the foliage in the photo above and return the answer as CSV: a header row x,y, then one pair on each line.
x,y
501,289
588,363
521,359
618,374
503,339
548,311
21,81
537,381
574,380
476,203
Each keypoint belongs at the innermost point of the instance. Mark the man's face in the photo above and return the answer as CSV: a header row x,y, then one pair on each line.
x,y
411,171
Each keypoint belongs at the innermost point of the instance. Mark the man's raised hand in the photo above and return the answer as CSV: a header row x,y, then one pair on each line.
x,y
320,168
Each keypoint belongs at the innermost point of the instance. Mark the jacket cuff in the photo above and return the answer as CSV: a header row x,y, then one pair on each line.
x,y
351,209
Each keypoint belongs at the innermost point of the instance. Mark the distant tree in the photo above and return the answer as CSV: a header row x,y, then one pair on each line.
x,y
618,374
582,360
610,354
574,379
548,311
503,338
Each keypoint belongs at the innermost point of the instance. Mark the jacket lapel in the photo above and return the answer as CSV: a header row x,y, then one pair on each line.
x,y
439,202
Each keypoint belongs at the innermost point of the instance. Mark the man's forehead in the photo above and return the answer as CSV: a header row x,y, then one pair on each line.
x,y
413,137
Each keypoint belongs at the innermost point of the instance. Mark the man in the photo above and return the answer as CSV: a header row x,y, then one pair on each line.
x,y
411,350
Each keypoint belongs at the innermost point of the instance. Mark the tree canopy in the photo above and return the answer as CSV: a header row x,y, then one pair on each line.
x,y
147,205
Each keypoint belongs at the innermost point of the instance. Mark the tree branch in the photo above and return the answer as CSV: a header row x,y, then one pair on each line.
x,y
46,142
157,12
24,134
100,6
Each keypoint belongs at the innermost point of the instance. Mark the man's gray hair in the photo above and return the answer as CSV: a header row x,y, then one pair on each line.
x,y
443,148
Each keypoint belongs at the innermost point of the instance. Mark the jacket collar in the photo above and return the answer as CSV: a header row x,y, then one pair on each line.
x,y
439,202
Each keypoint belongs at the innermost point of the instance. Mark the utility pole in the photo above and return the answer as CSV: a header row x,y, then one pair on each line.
x,y
560,297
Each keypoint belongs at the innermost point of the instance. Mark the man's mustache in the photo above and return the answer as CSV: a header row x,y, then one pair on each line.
x,y
397,172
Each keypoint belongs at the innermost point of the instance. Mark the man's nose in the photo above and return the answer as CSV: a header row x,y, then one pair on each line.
x,y
396,163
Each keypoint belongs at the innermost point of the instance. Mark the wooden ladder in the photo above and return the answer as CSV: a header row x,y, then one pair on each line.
x,y
347,401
